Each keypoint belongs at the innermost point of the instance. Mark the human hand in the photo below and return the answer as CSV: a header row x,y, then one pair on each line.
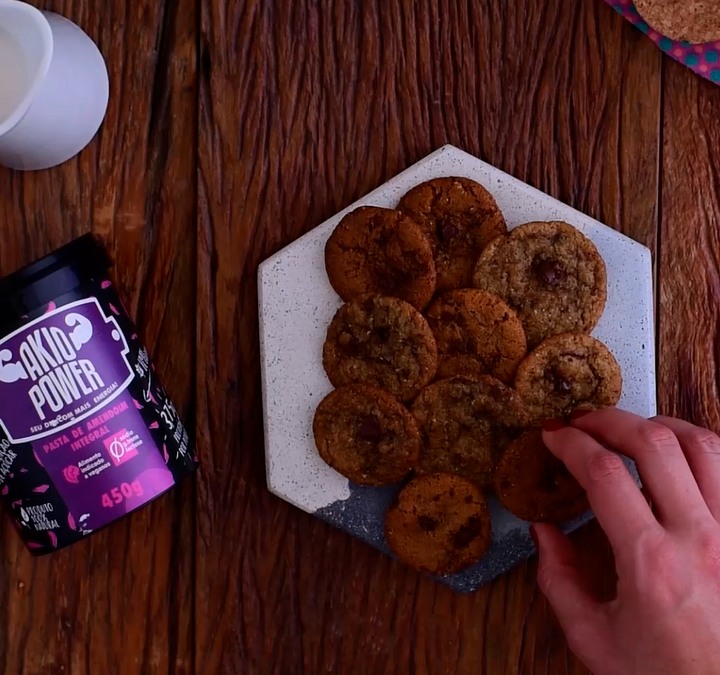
x,y
666,616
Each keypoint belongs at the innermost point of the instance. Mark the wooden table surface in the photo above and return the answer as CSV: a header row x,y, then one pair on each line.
x,y
234,127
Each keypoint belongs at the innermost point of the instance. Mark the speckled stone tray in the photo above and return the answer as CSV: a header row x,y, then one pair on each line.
x,y
297,304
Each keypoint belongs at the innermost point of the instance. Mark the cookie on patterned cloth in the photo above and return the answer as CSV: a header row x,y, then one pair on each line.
x,y
460,217
382,342
695,21
465,424
439,524
534,485
476,334
568,372
366,435
374,250
550,274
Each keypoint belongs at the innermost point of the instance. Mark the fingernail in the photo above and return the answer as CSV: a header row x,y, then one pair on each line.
x,y
577,414
534,536
648,498
553,425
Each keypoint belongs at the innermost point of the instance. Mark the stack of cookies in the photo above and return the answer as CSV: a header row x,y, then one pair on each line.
x,y
457,340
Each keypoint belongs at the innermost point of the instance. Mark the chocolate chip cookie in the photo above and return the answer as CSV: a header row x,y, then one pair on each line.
x,y
460,217
465,424
476,334
534,485
439,524
551,274
383,342
375,250
695,21
568,372
366,435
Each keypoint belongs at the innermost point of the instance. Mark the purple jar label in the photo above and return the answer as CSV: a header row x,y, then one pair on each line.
x,y
60,369
87,432
105,466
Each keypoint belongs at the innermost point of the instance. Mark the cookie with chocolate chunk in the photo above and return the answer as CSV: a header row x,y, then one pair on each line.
x,y
439,524
460,218
366,435
568,372
550,274
476,334
695,21
534,485
465,424
375,250
382,342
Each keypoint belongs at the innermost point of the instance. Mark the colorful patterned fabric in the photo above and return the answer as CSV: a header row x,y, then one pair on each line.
x,y
703,59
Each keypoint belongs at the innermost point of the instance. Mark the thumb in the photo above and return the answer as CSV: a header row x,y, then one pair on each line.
x,y
563,584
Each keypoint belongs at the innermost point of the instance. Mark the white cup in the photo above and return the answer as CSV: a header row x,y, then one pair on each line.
x,y
54,88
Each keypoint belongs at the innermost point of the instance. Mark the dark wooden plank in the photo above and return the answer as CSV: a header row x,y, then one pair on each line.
x,y
304,107
689,327
121,602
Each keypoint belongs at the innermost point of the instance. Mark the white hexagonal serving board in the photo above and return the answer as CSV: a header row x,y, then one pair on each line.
x,y
297,304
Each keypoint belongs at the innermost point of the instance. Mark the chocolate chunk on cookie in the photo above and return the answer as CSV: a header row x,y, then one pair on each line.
x,y
568,372
365,434
465,424
695,21
534,485
460,217
551,274
383,342
374,250
439,524
476,334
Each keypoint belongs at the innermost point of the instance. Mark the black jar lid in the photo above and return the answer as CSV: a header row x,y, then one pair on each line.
x,y
48,278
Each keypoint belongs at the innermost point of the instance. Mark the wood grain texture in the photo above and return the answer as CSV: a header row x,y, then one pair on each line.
x,y
121,602
304,107
689,326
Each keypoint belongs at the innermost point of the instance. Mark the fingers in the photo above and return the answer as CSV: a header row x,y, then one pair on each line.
x,y
702,451
563,584
660,460
616,499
